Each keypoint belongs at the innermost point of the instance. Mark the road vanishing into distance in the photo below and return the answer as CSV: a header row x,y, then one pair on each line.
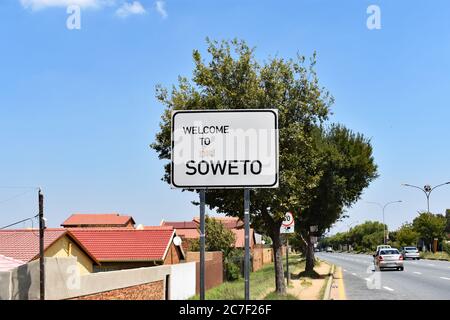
x,y
421,279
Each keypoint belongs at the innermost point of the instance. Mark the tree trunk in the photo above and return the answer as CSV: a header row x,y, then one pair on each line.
x,y
310,259
278,262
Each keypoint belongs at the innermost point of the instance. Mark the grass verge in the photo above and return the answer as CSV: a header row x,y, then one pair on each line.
x,y
276,296
435,256
260,282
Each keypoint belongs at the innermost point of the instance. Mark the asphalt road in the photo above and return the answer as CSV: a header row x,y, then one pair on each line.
x,y
421,279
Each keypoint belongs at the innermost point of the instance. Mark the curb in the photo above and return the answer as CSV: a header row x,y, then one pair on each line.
x,y
326,296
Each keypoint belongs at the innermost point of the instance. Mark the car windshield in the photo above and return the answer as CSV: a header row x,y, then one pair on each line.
x,y
390,251
411,249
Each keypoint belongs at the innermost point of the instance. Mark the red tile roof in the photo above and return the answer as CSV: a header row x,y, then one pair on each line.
x,y
228,222
240,238
109,219
23,244
149,244
188,233
189,229
181,224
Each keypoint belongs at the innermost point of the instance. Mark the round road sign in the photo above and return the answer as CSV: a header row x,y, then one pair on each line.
x,y
288,220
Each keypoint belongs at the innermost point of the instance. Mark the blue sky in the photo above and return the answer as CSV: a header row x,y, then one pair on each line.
x,y
77,107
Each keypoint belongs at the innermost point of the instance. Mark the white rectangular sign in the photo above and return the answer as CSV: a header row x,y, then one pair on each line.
x,y
225,149
284,229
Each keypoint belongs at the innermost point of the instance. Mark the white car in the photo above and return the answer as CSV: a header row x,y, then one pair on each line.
x,y
383,246
329,249
410,253
388,258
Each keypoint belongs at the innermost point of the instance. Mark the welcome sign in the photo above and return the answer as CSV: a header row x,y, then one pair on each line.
x,y
225,149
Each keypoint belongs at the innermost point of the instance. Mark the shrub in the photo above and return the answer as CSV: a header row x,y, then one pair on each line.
x,y
233,265
446,247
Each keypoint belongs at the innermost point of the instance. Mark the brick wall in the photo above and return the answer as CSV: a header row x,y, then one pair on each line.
x,y
213,269
267,255
261,257
148,291
257,261
173,255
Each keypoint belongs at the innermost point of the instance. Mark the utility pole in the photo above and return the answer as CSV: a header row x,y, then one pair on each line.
x,y
41,246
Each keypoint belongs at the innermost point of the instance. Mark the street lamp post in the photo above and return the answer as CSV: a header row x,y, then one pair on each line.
x,y
427,189
383,207
349,227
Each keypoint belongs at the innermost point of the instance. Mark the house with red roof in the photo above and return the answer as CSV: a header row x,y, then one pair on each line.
x,y
20,246
125,248
95,220
96,249
189,230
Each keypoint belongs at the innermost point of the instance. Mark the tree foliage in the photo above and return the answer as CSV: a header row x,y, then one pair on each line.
x,y
321,170
407,235
362,237
347,167
447,216
217,238
430,226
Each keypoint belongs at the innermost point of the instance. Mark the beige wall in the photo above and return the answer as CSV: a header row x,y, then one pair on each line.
x,y
65,247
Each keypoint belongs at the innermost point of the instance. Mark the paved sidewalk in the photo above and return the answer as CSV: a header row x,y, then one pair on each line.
x,y
309,288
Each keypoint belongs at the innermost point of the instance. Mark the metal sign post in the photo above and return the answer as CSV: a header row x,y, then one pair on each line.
x,y
247,243
202,244
288,275
287,226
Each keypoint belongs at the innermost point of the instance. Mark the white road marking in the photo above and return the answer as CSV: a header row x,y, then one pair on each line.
x,y
431,265
345,270
354,274
389,289
444,278
417,272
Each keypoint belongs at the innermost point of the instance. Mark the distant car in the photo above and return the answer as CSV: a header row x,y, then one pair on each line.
x,y
316,250
410,253
388,258
329,249
382,246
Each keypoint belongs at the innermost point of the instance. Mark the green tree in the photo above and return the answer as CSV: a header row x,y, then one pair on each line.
x,y
233,79
217,238
406,235
367,236
347,167
430,226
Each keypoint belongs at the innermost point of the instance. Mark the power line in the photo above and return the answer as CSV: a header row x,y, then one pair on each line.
x,y
18,187
13,224
16,196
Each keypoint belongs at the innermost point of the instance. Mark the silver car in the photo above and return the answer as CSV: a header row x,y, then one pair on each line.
x,y
388,259
410,253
